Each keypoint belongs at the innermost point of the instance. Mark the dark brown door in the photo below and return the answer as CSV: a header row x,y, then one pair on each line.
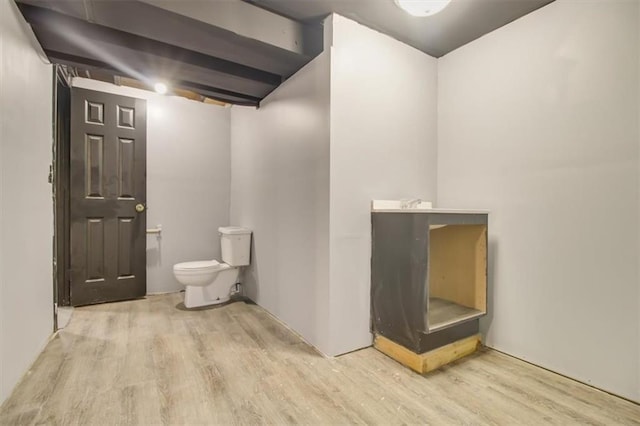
x,y
108,195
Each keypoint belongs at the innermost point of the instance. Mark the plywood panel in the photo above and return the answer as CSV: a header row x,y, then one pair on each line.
x,y
443,313
458,265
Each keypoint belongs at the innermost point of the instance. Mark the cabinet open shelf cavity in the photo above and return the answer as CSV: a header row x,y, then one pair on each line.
x,y
443,313
457,279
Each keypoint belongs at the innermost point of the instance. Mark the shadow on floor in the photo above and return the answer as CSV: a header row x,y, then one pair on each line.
x,y
180,306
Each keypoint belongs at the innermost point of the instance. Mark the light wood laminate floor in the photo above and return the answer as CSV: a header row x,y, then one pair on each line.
x,y
147,362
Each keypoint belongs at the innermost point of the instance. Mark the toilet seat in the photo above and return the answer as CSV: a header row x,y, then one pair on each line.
x,y
198,266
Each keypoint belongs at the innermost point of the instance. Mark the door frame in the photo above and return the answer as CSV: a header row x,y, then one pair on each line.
x,y
61,196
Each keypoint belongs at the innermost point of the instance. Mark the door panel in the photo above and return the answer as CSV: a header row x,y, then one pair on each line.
x,y
108,180
94,149
126,168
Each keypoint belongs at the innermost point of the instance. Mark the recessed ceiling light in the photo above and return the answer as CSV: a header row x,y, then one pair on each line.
x,y
422,7
160,88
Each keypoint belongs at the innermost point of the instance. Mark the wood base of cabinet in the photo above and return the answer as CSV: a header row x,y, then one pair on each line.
x,y
428,361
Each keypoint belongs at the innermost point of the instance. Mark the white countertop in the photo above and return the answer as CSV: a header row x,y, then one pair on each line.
x,y
438,210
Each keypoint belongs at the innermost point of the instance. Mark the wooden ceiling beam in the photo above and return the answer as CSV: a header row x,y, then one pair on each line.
x,y
74,27
82,63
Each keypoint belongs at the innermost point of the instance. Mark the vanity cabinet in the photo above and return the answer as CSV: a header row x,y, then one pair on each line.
x,y
428,276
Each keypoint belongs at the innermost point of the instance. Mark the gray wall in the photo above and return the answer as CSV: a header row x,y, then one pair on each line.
x,y
538,122
280,189
188,180
26,211
313,134
383,146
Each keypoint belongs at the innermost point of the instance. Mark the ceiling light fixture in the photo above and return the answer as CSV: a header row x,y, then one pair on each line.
x,y
160,88
422,7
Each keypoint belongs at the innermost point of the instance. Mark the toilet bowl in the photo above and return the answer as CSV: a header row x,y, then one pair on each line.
x,y
209,282
206,282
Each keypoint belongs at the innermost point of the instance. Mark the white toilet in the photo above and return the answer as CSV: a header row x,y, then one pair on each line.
x,y
209,282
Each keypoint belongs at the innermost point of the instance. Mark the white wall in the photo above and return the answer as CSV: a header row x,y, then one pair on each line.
x,y
188,179
539,123
383,146
280,189
315,133
26,209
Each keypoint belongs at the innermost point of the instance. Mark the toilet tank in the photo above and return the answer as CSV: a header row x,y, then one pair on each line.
x,y
235,243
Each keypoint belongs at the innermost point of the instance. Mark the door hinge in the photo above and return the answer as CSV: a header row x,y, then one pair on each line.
x,y
50,177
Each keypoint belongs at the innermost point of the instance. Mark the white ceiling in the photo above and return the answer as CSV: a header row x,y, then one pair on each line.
x,y
461,22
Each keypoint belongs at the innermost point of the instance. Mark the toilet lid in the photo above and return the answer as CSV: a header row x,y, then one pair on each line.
x,y
199,264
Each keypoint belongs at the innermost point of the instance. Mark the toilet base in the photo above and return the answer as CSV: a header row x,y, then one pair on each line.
x,y
219,291
194,297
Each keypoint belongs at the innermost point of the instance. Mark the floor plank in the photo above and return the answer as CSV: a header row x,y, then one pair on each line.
x,y
149,362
